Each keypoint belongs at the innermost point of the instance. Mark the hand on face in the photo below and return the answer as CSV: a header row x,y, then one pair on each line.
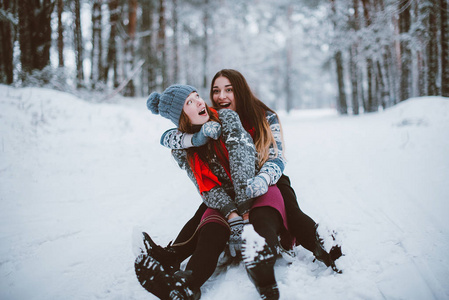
x,y
195,109
223,94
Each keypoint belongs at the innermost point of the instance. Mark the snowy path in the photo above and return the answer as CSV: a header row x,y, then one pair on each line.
x,y
78,179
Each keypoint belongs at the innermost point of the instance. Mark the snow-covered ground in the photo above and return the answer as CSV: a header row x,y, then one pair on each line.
x,y
79,179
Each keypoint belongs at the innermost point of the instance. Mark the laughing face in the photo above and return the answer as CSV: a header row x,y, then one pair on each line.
x,y
195,109
223,94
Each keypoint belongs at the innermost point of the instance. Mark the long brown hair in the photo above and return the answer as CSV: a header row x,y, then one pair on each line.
x,y
206,152
251,110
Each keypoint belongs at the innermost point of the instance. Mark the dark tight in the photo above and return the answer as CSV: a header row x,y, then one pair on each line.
x,y
186,238
212,239
267,222
300,225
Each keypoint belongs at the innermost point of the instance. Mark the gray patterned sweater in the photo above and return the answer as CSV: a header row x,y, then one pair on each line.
x,y
273,167
230,195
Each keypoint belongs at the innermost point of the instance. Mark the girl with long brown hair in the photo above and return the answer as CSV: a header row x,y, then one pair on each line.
x,y
230,90
220,169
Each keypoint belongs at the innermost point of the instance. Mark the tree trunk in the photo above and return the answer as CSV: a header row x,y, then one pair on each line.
x,y
43,35
444,48
111,60
354,79
35,44
341,102
96,54
161,45
381,86
432,53
371,105
130,89
353,65
176,76
405,53
25,37
60,34
148,49
6,49
288,63
342,105
383,76
387,66
205,42
78,45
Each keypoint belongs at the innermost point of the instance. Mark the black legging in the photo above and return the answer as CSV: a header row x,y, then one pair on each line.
x,y
186,238
300,225
267,222
212,239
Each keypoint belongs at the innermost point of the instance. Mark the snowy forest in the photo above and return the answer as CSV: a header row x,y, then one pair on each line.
x,y
361,88
352,55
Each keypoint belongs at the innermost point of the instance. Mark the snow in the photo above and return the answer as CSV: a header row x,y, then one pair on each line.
x,y
78,179
253,244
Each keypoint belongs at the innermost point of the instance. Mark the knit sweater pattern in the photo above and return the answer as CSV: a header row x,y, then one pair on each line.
x,y
230,195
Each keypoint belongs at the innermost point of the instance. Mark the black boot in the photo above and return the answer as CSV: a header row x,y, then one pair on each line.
x,y
164,255
153,276
163,283
327,258
183,288
260,268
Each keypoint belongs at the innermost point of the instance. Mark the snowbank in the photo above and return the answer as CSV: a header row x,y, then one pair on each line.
x,y
78,178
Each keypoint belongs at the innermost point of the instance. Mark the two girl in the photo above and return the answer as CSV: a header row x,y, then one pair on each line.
x,y
274,212
225,171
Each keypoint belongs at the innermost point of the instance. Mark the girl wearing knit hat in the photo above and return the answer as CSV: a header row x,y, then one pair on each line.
x,y
220,169
229,89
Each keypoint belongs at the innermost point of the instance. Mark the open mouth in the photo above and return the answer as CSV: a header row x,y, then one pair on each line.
x,y
202,112
224,104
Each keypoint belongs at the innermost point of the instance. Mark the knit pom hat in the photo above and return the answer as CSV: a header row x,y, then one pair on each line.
x,y
169,104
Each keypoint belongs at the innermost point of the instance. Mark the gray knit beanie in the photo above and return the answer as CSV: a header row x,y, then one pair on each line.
x,y
169,104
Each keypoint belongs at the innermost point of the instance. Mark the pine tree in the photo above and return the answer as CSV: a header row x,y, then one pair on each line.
x,y
147,46
405,53
444,48
60,34
111,60
353,63
338,57
130,89
161,47
97,44
432,51
35,44
7,20
78,45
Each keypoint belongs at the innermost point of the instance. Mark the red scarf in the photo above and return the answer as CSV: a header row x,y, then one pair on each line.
x,y
204,177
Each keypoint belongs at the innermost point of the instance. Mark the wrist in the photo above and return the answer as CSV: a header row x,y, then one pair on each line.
x,y
266,177
187,140
233,215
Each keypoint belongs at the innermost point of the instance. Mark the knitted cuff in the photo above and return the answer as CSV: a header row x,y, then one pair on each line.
x,y
227,209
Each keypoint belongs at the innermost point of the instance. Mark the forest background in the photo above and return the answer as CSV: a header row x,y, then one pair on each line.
x,y
354,55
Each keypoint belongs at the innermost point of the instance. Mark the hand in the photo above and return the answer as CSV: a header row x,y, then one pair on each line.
x,y
235,240
209,130
256,186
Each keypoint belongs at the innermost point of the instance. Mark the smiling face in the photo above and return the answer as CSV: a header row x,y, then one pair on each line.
x,y
223,93
195,109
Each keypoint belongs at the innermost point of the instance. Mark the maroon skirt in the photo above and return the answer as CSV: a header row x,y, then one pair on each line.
x,y
273,198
